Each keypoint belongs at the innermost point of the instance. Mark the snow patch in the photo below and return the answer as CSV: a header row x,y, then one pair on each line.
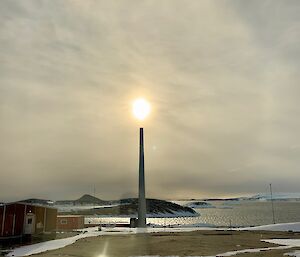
x,y
286,242
294,226
295,254
51,245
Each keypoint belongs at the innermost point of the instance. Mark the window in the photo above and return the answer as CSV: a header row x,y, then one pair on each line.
x,y
29,221
63,222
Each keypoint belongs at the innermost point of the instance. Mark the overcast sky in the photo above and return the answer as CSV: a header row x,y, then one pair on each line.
x,y
222,78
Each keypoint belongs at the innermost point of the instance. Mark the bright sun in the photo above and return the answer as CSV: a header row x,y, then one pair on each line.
x,y
141,108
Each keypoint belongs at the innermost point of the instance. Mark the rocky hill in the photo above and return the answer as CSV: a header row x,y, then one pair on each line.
x,y
129,207
84,200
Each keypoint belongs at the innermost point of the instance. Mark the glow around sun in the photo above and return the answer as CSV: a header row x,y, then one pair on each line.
x,y
141,108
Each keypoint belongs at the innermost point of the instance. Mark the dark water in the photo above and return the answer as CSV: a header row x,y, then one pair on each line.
x,y
251,213
243,213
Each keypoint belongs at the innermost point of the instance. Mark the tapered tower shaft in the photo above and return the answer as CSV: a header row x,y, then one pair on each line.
x,y
142,196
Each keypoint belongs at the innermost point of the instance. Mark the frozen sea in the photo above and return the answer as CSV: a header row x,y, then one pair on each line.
x,y
234,213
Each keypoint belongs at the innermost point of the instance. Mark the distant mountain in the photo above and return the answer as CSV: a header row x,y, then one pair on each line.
x,y
260,197
200,205
37,201
88,199
83,200
223,199
276,196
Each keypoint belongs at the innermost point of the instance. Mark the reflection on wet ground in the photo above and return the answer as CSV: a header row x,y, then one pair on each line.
x,y
104,252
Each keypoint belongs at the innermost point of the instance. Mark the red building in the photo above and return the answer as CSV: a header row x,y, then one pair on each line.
x,y
69,222
18,219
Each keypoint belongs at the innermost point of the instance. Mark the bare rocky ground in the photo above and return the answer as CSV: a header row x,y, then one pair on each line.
x,y
198,243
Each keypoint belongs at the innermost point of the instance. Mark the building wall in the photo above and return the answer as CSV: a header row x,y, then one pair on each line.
x,y
51,216
1,217
39,219
65,223
19,219
45,219
13,222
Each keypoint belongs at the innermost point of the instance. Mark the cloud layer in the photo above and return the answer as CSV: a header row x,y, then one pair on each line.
x,y
222,77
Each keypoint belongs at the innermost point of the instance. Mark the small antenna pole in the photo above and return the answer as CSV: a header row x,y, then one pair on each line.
x,y
94,194
272,204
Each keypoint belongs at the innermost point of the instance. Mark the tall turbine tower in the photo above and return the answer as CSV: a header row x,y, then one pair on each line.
x,y
142,196
141,109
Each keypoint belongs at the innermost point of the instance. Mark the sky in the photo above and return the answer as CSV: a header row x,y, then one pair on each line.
x,y
222,78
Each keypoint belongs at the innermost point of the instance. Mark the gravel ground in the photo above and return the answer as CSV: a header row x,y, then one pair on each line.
x,y
198,243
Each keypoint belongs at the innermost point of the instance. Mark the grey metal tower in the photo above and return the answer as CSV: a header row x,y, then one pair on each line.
x,y
142,196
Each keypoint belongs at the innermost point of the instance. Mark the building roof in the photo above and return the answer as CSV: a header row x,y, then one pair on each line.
x,y
70,216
